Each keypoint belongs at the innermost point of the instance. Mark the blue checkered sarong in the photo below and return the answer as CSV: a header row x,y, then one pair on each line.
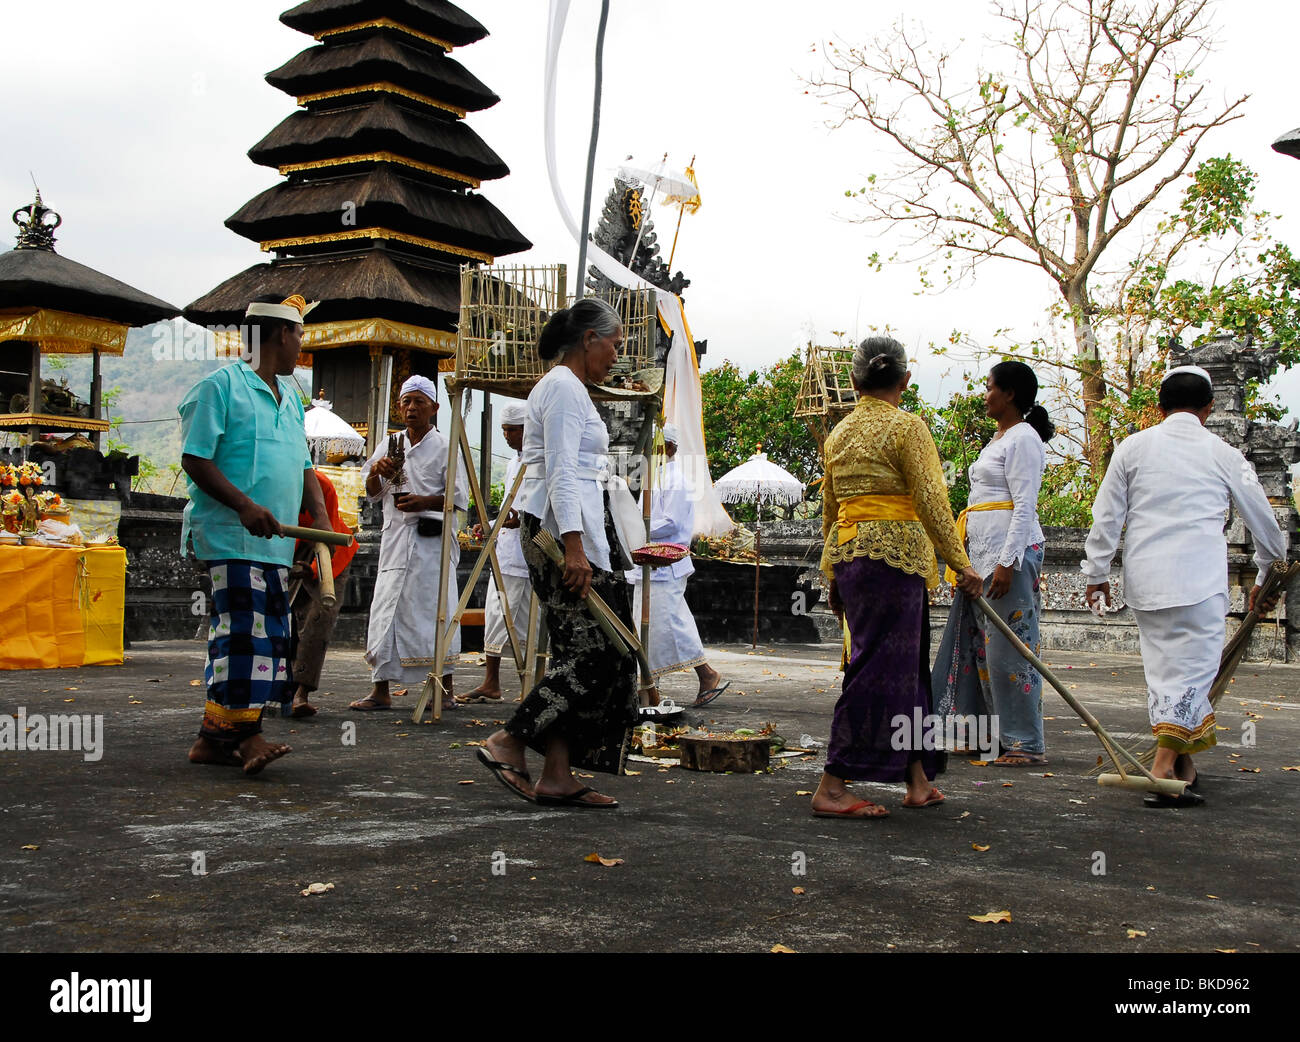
x,y
248,648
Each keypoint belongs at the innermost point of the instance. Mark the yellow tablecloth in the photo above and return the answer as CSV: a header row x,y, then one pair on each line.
x,y
61,607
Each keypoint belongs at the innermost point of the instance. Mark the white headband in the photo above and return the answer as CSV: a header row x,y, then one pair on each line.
x,y
283,311
670,434
422,384
1178,370
512,415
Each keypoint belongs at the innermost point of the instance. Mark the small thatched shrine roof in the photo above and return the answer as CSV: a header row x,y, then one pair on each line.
x,y
383,58
381,126
363,284
382,199
34,276
436,18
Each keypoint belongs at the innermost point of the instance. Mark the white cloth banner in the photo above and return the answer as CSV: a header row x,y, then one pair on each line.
x,y
683,394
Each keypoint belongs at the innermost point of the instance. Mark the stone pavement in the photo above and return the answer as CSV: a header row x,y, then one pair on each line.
x,y
709,861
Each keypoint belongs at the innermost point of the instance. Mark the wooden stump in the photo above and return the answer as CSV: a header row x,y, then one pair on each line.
x,y
742,755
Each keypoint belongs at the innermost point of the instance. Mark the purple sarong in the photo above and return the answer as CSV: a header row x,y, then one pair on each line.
x,y
888,675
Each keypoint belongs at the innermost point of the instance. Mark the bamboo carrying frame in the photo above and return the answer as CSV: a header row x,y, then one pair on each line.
x,y
502,313
826,394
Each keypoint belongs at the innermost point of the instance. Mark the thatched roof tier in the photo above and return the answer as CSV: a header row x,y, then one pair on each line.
x,y
382,126
435,18
378,198
375,283
382,58
32,278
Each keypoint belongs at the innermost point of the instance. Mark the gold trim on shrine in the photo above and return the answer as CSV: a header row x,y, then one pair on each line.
x,y
380,157
43,419
376,233
383,87
58,332
375,333
385,23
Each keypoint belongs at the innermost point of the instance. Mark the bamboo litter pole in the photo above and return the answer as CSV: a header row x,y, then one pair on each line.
x,y
317,535
489,548
325,568
488,554
1235,649
1147,782
433,683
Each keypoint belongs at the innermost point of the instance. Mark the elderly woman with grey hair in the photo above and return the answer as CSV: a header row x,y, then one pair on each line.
x,y
581,712
884,513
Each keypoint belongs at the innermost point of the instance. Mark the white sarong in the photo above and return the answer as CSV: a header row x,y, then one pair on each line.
x,y
1181,648
519,593
674,642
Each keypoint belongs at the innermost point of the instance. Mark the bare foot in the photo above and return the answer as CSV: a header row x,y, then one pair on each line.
x,y
483,693
301,706
207,751
258,752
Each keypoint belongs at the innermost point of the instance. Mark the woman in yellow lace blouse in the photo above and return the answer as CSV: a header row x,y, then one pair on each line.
x,y
884,512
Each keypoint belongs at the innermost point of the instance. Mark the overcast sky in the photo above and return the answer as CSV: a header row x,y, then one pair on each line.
x,y
135,118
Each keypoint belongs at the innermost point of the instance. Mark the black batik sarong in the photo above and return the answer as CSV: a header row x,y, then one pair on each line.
x,y
588,695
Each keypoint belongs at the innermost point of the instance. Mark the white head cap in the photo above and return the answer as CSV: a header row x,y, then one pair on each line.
x,y
670,434
422,384
291,309
1187,369
513,415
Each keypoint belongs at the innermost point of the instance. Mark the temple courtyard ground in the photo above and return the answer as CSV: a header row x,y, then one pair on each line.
x,y
142,851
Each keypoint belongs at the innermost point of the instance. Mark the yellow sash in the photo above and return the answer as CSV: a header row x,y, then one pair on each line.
x,y
949,576
872,508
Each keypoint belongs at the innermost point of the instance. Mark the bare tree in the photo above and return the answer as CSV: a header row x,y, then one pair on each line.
x,y
1045,162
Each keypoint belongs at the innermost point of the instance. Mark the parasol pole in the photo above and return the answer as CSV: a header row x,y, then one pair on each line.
x,y
758,546
680,211
591,149
645,216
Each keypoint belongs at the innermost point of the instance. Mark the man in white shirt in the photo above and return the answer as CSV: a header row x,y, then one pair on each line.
x,y
674,642
410,482
514,575
1170,486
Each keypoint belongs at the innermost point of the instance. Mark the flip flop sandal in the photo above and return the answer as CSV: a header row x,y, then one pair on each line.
x,y
849,812
705,697
1020,760
574,799
1160,799
930,801
367,705
498,769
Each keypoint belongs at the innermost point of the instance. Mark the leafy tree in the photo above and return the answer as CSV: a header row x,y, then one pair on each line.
x,y
1045,161
745,410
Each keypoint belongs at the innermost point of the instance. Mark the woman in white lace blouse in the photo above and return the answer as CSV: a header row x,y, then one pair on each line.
x,y
977,671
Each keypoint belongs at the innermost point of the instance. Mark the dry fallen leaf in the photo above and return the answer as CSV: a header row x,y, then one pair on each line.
x,y
781,949
69,700
978,763
1048,774
977,846
467,781
1226,951
991,917
1136,933
1080,802
797,890
1250,770
317,888
608,862
476,743
30,846
196,683
1213,897
963,814
808,792
1291,768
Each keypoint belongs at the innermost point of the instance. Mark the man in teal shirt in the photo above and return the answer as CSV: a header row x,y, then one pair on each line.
x,y
244,452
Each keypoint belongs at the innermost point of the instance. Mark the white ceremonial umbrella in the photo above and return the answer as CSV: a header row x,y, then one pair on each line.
x,y
658,177
758,480
328,432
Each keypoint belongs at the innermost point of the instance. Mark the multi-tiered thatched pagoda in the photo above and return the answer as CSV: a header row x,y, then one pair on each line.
x,y
379,206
